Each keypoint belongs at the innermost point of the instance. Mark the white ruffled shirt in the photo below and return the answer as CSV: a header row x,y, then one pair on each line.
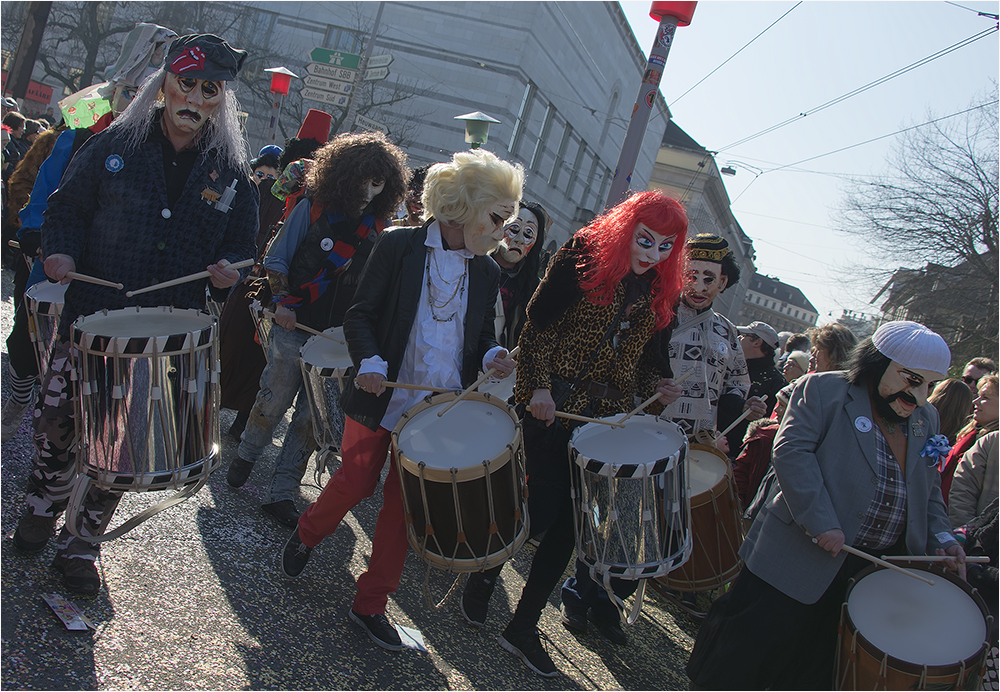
x,y
433,354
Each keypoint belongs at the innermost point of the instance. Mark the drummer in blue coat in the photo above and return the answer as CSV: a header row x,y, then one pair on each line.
x,y
854,459
163,192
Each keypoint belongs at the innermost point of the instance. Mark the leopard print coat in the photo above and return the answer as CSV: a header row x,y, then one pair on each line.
x,y
564,328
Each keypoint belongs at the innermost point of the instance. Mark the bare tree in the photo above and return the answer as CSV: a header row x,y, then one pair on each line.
x,y
936,212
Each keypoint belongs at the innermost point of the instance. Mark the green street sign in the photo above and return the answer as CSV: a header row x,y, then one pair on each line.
x,y
348,61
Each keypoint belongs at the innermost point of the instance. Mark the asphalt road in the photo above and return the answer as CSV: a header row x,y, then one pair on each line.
x,y
194,599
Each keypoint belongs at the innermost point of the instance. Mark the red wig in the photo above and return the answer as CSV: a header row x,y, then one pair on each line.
x,y
611,236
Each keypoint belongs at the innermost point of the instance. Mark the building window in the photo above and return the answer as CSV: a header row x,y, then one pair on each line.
x,y
536,155
560,155
522,113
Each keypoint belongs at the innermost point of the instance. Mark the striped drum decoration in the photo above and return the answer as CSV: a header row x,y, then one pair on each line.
x,y
630,502
148,404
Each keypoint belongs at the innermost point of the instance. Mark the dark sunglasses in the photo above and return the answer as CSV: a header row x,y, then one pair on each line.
x,y
970,380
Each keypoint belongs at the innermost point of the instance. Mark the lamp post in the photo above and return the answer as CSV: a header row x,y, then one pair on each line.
x,y
477,127
281,82
670,15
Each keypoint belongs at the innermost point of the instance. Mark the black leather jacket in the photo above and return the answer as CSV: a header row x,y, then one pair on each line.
x,y
385,307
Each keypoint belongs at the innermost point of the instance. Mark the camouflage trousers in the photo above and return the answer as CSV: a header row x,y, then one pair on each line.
x,y
54,475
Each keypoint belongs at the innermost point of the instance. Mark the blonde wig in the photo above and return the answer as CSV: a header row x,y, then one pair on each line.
x,y
460,191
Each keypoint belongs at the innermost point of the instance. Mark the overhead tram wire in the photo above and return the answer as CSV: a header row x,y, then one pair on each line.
x,y
891,134
981,14
672,103
866,87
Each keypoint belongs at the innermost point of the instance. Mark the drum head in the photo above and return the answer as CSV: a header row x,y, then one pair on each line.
x,y
323,353
144,322
46,292
915,622
473,431
643,442
706,470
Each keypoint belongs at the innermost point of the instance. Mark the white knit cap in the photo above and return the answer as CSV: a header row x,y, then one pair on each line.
x,y
913,346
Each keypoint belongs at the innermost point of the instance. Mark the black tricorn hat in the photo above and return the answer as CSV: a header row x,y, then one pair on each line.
x,y
204,56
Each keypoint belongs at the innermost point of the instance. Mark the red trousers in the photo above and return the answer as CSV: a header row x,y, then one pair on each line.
x,y
364,454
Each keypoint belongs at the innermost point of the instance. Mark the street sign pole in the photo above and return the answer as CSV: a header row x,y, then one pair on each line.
x,y
352,107
670,14
275,113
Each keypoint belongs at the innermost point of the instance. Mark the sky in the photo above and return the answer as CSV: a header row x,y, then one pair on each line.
x,y
817,52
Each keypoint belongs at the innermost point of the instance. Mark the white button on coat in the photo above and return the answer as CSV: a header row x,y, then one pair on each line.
x,y
165,213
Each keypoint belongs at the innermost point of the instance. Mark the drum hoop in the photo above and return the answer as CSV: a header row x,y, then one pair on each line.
x,y
324,371
471,564
465,473
906,666
614,470
47,306
143,346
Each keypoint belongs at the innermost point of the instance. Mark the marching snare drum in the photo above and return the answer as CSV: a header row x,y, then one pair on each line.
x,y
324,363
899,633
629,502
716,525
44,301
148,403
463,483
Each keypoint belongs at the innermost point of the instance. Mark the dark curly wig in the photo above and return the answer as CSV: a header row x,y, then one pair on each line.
x,y
348,161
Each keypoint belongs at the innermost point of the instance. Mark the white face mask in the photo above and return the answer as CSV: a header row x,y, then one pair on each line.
x,y
483,235
370,190
519,237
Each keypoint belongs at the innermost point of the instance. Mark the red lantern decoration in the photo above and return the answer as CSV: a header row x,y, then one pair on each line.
x,y
684,11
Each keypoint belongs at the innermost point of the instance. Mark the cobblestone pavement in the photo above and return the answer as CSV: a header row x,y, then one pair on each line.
x,y
194,599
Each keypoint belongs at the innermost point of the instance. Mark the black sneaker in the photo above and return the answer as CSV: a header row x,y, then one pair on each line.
x,y
284,511
33,532
476,598
574,619
379,629
526,646
239,471
295,555
79,575
610,628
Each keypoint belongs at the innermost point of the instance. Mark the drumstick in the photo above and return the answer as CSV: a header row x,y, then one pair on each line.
x,y
186,279
486,375
584,419
882,563
653,398
763,397
310,330
93,280
404,385
969,559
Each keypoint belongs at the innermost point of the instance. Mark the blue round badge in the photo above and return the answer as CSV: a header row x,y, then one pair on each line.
x,y
114,163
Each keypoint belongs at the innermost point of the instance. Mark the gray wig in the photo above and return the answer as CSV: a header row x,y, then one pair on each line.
x,y
221,132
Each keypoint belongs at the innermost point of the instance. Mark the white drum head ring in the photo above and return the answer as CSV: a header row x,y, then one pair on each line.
x,y
471,432
915,622
47,292
643,443
322,353
705,471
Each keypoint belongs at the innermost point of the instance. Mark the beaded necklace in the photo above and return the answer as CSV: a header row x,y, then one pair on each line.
x,y
436,305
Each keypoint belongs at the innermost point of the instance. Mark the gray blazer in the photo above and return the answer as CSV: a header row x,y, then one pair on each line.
x,y
824,459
